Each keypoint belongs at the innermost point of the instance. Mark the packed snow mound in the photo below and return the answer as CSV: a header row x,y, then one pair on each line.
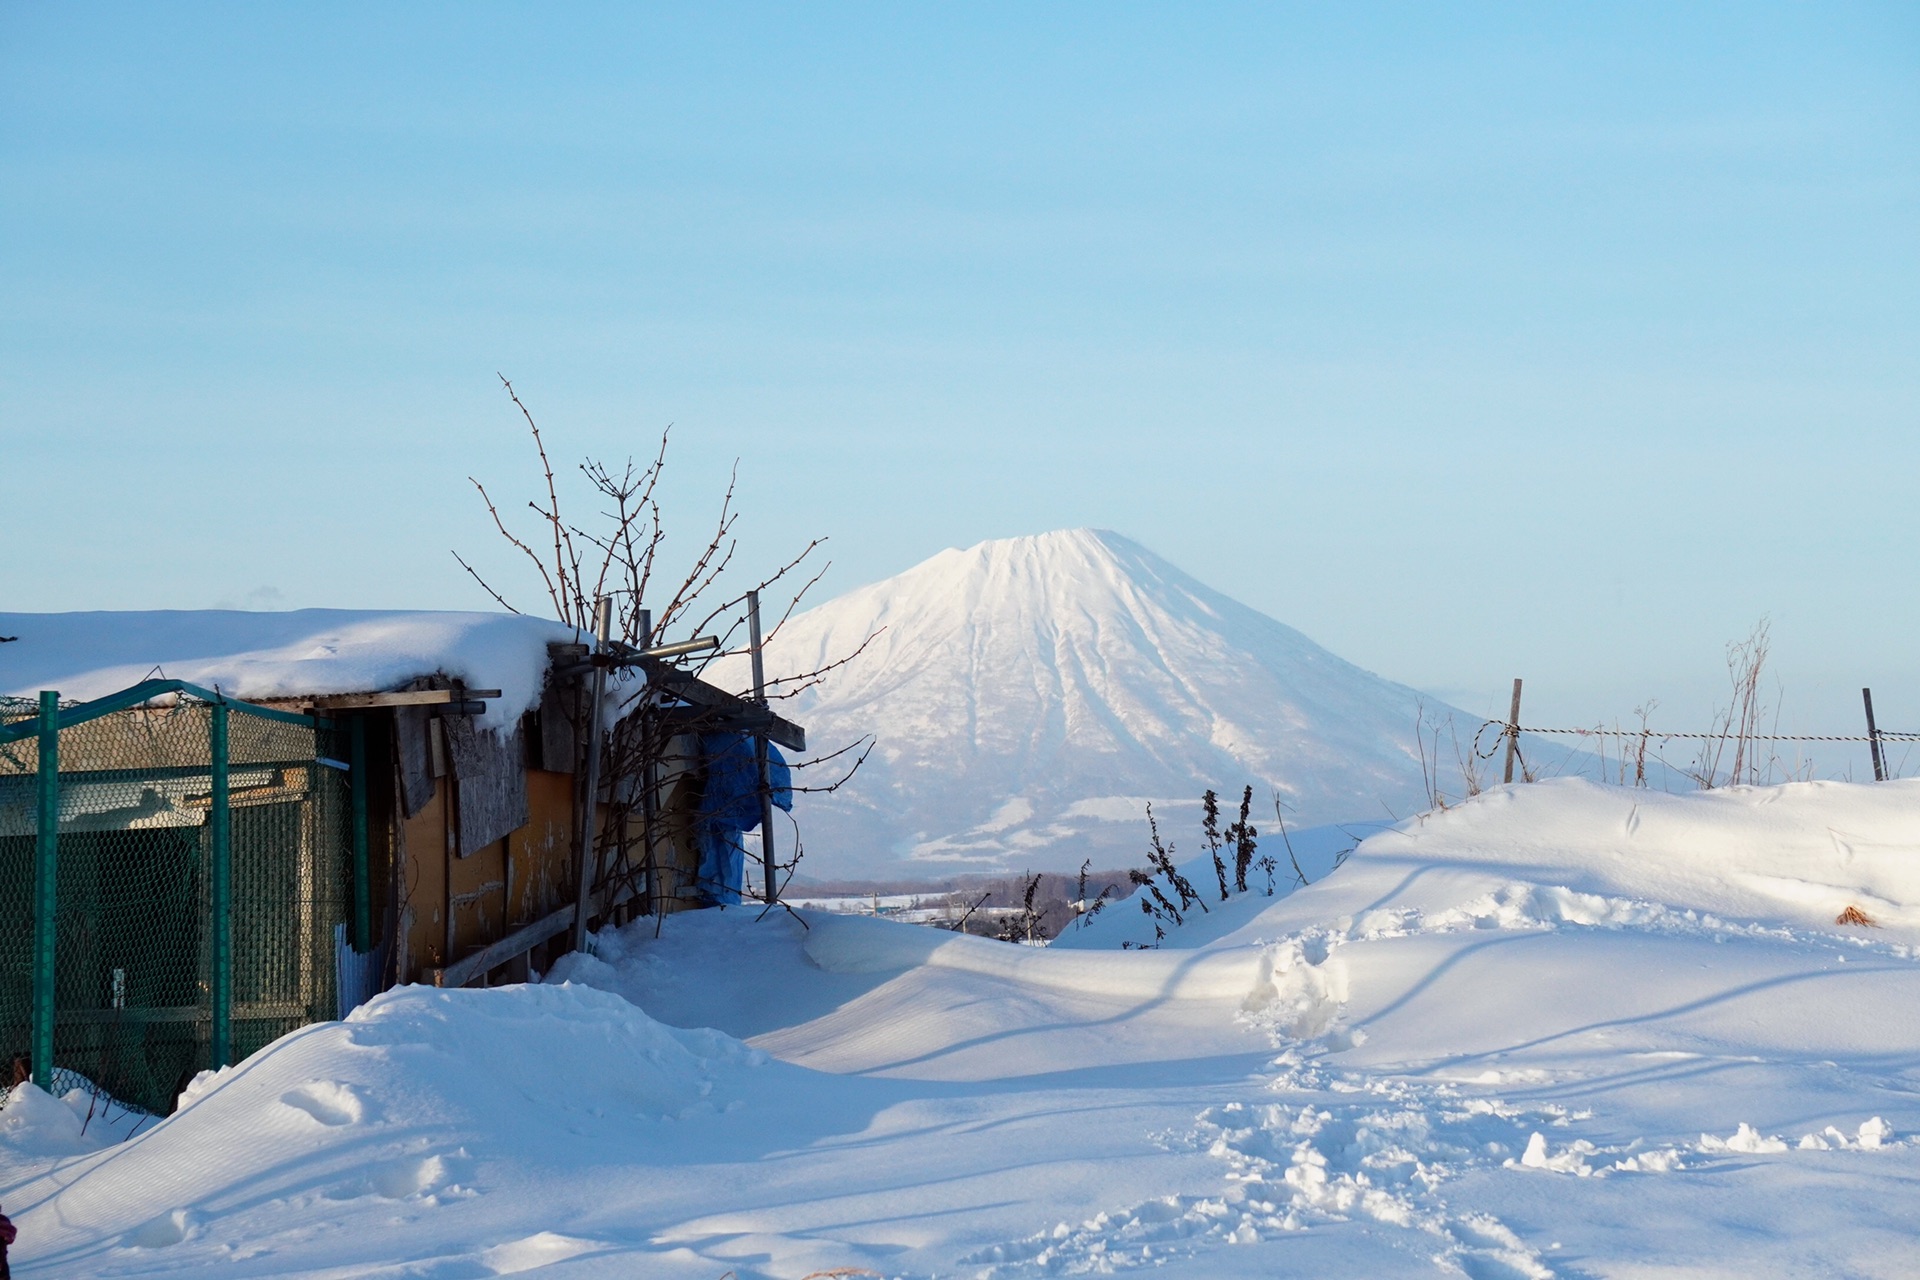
x,y
35,1123
408,1102
1030,695
279,655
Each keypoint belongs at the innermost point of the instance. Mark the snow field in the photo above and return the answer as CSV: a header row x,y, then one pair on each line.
x,y
1563,1030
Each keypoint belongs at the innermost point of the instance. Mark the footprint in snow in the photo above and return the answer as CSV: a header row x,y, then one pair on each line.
x,y
166,1230
327,1102
534,1252
433,1177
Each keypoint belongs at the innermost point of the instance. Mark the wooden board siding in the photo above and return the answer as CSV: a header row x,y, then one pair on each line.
x,y
540,877
457,902
496,888
423,885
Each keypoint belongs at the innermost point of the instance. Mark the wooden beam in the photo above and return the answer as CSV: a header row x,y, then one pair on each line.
x,y
495,954
522,940
402,698
752,720
694,690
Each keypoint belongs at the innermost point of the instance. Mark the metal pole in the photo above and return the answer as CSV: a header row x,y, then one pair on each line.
x,y
760,748
357,788
590,806
1513,729
651,746
220,879
1873,739
46,898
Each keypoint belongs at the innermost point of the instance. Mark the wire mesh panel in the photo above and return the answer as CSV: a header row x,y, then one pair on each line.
x,y
290,858
144,915
18,764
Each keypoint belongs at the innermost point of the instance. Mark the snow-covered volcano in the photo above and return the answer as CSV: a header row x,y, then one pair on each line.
x,y
1030,695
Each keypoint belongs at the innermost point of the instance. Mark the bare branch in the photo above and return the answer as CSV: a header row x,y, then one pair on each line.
x,y
501,525
485,586
570,588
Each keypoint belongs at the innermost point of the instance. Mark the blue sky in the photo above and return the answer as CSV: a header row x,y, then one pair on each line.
x,y
1474,341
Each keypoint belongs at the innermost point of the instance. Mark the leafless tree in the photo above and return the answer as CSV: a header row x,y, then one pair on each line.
x,y
619,553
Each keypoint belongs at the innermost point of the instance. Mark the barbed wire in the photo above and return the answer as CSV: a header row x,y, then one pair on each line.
x,y
1650,735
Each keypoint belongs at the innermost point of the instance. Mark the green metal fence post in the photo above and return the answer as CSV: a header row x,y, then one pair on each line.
x,y
46,897
220,829
357,781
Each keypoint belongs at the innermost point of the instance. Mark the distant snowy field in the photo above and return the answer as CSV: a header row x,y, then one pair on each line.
x,y
1562,1030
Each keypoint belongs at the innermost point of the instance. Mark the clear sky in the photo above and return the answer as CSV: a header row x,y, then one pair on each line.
x,y
1544,340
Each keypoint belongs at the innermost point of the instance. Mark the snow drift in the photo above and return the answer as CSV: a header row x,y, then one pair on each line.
x,y
1561,1030
1567,850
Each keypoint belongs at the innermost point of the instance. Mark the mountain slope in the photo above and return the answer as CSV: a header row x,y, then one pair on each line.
x,y
1030,695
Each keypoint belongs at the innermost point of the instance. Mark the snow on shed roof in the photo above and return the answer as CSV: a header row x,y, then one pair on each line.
x,y
279,655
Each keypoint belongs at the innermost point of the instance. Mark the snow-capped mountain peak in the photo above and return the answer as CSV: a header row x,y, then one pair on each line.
x,y
1030,695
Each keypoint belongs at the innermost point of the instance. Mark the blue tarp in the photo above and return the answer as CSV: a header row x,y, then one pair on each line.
x,y
732,806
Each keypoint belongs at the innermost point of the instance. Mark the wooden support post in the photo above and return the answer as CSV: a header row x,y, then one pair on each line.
x,y
1873,739
46,896
358,785
399,908
760,748
1513,730
590,803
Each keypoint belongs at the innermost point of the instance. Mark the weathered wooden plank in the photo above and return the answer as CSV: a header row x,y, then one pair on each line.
x,y
713,720
515,944
415,758
490,768
694,690
398,698
559,745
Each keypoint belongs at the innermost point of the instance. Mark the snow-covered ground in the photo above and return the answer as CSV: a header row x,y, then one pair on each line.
x,y
1561,1030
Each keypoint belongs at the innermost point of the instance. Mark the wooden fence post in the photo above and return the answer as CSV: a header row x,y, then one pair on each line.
x,y
1513,729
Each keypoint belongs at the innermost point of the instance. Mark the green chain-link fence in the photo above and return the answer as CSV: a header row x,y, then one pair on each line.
x,y
181,914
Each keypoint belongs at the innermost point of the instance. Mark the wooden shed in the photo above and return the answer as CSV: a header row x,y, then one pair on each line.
x,y
474,847
186,873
